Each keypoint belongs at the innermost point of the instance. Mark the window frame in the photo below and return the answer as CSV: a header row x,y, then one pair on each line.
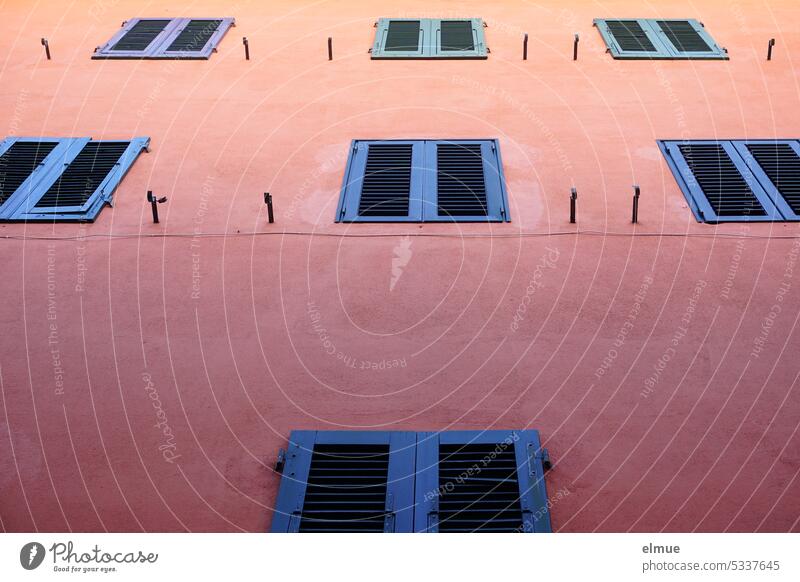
x,y
665,50
430,42
416,458
775,206
21,205
423,197
529,454
157,49
287,514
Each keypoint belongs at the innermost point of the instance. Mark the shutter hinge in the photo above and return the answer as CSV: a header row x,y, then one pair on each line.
x,y
389,516
543,456
280,462
433,517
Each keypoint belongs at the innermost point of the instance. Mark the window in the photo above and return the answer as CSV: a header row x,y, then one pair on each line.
x,y
62,179
428,38
456,481
423,181
737,180
645,38
165,38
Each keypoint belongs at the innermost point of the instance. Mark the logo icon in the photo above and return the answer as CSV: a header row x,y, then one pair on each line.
x,y
402,255
31,555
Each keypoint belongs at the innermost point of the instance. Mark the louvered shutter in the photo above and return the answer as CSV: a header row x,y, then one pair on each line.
x,y
717,183
480,481
776,165
401,38
80,180
196,38
630,39
165,38
138,38
687,39
21,167
464,182
347,481
458,39
383,182
643,38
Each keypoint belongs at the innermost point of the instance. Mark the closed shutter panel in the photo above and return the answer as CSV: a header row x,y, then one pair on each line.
x,y
195,38
464,182
383,182
683,36
480,481
397,38
386,190
456,35
461,185
631,39
347,481
630,36
687,39
458,39
403,36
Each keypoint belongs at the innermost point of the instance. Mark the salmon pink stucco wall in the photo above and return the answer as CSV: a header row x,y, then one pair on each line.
x,y
150,372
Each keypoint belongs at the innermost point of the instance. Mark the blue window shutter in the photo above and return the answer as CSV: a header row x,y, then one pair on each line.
x,y
464,182
24,163
458,38
195,38
776,166
480,481
647,38
717,183
687,39
631,38
339,494
397,38
383,182
138,38
100,164
165,38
